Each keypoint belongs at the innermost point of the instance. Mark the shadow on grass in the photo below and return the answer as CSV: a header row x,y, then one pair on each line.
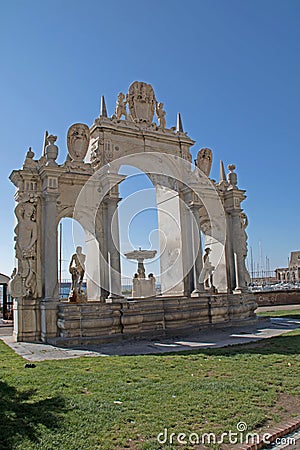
x,y
20,416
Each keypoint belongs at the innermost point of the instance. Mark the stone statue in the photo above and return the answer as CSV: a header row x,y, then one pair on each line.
x,y
161,113
29,162
206,275
121,106
204,160
26,237
244,238
78,139
77,270
232,177
153,280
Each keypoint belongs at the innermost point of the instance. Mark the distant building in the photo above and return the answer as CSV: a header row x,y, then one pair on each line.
x,y
290,274
5,299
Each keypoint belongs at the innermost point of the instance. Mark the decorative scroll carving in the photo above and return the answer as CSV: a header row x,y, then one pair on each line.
x,y
78,139
25,281
204,160
97,153
141,101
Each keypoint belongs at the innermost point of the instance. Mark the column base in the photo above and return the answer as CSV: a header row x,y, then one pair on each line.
x,y
49,311
113,298
240,290
196,293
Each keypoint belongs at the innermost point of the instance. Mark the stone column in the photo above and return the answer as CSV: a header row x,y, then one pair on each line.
x,y
113,247
104,270
50,246
197,250
49,302
239,266
236,245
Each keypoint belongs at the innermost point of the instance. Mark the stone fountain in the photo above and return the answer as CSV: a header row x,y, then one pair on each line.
x,y
142,286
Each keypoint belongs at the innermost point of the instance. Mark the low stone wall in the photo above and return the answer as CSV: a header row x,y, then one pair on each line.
x,y
95,322
274,298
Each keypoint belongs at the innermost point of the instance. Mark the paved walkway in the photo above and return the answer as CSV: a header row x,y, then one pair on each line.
x,y
214,338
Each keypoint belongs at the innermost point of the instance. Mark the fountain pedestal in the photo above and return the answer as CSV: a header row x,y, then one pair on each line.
x,y
142,287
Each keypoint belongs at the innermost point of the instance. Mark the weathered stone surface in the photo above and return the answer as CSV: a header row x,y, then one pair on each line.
x,y
48,191
138,318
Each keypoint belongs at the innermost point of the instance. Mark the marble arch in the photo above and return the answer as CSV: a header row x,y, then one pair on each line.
x,y
198,290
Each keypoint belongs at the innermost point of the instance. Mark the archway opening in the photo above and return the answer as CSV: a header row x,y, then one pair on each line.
x,y
138,225
70,236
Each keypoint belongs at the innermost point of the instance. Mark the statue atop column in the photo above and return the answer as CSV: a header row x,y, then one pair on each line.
x,y
77,271
121,107
161,113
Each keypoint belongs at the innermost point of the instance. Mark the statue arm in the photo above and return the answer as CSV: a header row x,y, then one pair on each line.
x,y
70,265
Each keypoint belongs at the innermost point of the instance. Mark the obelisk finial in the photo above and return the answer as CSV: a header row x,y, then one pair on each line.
x,y
179,127
222,172
103,111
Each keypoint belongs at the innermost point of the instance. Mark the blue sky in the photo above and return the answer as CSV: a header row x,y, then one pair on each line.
x,y
230,67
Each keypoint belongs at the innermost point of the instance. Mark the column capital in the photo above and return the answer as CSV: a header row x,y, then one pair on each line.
x,y
50,197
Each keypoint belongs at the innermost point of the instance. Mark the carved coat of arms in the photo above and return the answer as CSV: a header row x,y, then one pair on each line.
x,y
141,101
78,141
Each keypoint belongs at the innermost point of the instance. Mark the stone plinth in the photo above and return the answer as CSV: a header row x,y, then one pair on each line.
x,y
143,287
27,319
96,322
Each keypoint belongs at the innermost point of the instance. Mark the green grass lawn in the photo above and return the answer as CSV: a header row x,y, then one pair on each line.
x,y
293,313
70,404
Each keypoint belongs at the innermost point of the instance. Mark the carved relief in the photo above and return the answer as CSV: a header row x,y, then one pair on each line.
x,y
108,152
78,139
204,160
25,281
97,151
141,101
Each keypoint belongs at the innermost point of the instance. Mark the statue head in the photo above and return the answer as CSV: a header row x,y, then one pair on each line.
x,y
28,210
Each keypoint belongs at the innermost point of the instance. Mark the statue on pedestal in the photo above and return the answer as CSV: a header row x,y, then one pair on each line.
x,y
121,106
206,275
77,270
